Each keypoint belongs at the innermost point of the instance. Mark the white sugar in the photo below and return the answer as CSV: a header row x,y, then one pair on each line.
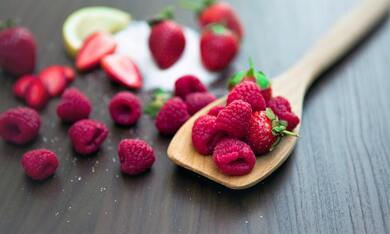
x,y
133,42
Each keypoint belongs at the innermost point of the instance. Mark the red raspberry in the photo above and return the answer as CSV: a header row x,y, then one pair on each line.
x,y
188,84
215,110
135,156
234,118
74,106
19,125
267,94
234,157
291,119
196,101
282,108
87,135
125,108
39,164
249,92
279,105
171,116
205,134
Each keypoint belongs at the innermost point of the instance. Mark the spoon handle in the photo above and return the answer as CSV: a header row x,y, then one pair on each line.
x,y
340,39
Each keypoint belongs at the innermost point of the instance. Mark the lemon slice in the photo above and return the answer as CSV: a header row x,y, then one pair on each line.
x,y
85,21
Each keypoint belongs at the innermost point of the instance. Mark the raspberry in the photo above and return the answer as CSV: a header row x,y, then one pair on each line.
x,y
291,119
215,110
125,108
74,106
188,84
279,105
205,134
19,125
234,157
282,108
87,135
135,156
234,119
39,164
249,92
196,101
267,94
171,116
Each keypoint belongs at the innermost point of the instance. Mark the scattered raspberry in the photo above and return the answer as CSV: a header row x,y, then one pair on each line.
x,y
135,156
19,125
125,108
196,101
40,164
172,115
215,110
87,135
74,106
205,134
188,84
234,118
249,92
281,107
234,157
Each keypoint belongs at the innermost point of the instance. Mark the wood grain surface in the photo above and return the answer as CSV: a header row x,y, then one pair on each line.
x,y
336,180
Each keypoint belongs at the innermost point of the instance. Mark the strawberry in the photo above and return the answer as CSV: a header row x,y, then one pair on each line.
x,y
54,79
17,50
252,75
21,85
122,70
36,95
266,131
69,74
166,40
94,48
217,12
218,47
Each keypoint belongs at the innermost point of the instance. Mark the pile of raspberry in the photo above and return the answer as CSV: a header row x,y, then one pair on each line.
x,y
190,95
250,124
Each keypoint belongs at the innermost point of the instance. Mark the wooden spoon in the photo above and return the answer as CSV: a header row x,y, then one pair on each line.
x,y
293,85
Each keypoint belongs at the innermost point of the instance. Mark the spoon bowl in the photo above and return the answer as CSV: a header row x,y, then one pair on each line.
x,y
293,85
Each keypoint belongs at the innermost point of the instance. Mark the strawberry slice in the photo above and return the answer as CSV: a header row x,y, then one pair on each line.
x,y
54,79
122,70
36,95
69,74
21,85
95,47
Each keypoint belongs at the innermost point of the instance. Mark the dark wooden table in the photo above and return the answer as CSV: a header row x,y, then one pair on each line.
x,y
336,180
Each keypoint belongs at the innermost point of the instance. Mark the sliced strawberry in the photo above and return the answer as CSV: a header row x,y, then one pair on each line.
x,y
36,95
69,74
54,79
22,84
95,47
122,70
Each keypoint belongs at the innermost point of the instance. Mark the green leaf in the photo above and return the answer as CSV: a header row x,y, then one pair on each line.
x,y
159,98
283,123
236,79
270,114
261,80
276,143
